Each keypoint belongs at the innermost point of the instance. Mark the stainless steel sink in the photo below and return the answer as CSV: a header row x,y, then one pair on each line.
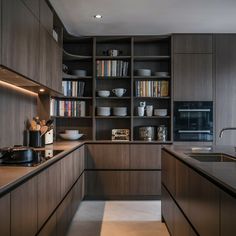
x,y
211,157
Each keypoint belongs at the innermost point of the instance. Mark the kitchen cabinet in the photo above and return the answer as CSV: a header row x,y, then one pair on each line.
x,y
49,192
107,156
24,209
193,79
33,5
139,158
228,214
20,39
5,217
50,228
78,162
106,184
225,87
1,32
193,43
46,16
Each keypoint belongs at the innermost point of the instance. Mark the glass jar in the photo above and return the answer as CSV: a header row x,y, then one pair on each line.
x,y
162,133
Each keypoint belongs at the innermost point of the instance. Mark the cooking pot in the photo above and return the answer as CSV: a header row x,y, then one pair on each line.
x,y
17,155
147,133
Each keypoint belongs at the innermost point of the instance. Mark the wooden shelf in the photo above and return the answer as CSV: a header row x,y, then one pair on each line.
x,y
151,117
112,117
74,77
72,117
153,77
73,57
112,77
113,98
113,58
155,98
75,98
151,58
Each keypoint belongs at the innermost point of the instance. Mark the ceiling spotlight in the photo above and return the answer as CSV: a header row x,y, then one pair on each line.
x,y
98,16
42,90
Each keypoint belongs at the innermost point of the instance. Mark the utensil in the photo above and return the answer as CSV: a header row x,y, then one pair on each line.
x,y
35,139
119,92
103,93
72,131
120,111
103,111
43,130
70,136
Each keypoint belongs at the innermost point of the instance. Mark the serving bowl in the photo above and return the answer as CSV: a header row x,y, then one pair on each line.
x,y
103,93
70,136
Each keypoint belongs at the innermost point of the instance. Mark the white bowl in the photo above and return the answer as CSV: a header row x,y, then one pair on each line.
x,y
160,112
103,111
71,136
71,131
143,72
103,93
120,111
161,73
80,73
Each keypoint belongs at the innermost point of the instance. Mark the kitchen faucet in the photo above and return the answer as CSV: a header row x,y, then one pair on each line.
x,y
224,129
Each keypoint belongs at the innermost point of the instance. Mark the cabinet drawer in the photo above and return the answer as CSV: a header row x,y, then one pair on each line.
x,y
107,156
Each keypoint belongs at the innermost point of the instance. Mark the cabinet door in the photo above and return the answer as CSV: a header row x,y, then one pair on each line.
x,y
1,32
145,183
78,165
46,16
20,41
144,156
168,171
228,214
24,209
193,77
67,176
106,184
48,192
225,88
33,5
107,156
5,215
192,43
204,208
50,228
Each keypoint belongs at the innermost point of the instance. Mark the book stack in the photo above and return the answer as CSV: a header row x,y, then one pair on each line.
x,y
73,88
109,68
152,88
67,108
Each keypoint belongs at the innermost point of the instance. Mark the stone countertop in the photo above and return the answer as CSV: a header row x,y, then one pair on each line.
x,y
223,174
12,176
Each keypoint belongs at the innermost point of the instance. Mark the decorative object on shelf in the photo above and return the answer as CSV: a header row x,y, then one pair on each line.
x,y
71,135
73,88
119,92
67,108
120,111
103,93
162,133
141,111
112,52
160,112
120,135
152,88
79,73
109,68
147,133
103,111
143,72
149,110
161,73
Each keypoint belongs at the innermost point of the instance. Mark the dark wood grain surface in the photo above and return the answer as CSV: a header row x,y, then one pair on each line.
x,y
50,228
33,5
46,16
5,215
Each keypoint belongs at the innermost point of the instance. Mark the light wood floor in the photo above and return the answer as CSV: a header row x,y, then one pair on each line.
x,y
118,218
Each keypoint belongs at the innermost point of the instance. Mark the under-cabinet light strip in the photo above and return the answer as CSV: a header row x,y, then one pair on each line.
x,y
17,88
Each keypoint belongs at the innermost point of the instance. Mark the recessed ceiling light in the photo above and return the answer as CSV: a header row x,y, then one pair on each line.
x,y
41,90
98,16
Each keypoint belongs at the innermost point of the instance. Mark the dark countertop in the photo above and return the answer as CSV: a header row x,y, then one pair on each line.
x,y
12,176
223,174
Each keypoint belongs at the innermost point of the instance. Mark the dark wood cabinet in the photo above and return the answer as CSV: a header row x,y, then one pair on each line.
x,y
106,184
78,162
145,183
144,156
46,16
1,32
5,215
50,228
24,209
107,156
193,43
225,87
49,192
193,77
204,205
33,5
228,214
20,39
168,172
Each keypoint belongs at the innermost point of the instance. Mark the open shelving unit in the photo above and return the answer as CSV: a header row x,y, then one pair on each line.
x,y
141,52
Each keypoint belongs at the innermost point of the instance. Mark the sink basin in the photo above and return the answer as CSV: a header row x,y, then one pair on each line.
x,y
211,157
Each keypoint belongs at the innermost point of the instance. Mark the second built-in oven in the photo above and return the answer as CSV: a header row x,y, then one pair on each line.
x,y
193,121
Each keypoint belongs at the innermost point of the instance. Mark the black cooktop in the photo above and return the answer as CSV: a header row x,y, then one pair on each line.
x,y
39,158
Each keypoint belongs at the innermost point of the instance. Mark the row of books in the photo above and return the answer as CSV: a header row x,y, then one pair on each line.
x,y
73,88
152,88
67,108
108,68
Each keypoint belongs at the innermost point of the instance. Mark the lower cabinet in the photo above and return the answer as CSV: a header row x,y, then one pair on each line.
x,y
24,209
50,228
5,217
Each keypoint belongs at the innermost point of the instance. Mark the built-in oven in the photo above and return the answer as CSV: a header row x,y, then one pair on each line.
x,y
193,121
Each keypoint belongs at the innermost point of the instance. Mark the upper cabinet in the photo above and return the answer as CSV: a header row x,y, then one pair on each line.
x,y
192,43
20,39
33,5
46,16
192,68
225,87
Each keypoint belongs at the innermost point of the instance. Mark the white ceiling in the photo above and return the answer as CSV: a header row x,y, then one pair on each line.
x,y
140,17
